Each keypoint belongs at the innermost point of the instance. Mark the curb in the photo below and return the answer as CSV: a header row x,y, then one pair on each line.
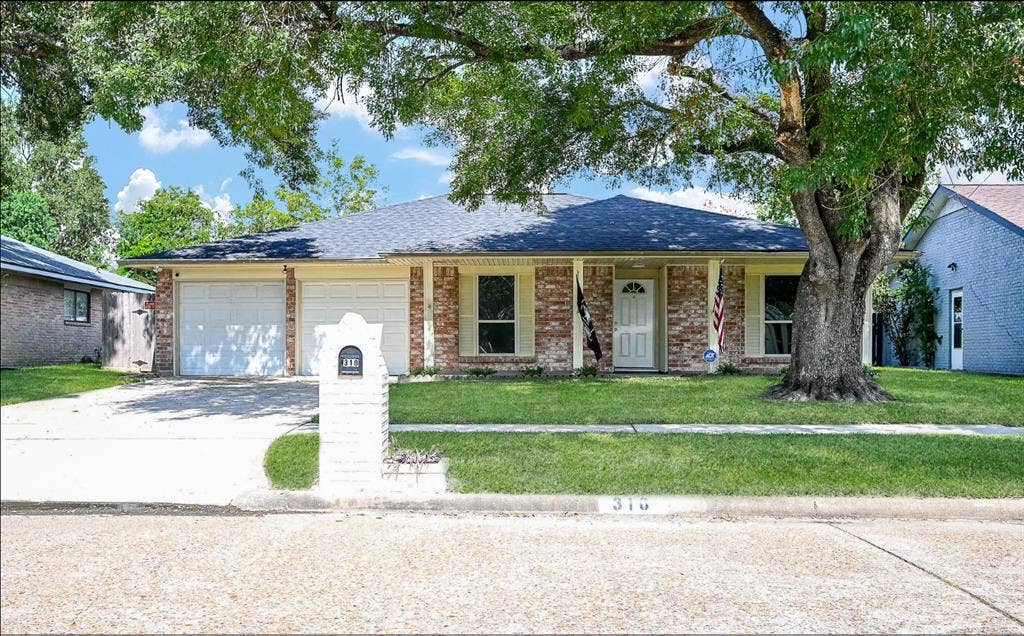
x,y
936,509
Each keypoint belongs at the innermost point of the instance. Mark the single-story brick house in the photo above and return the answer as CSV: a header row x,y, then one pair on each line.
x,y
490,288
974,244
57,310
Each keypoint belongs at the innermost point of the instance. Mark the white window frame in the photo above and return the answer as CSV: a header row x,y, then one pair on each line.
x,y
765,321
515,309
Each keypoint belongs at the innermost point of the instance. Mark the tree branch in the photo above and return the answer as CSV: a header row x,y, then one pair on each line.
x,y
792,135
708,80
677,45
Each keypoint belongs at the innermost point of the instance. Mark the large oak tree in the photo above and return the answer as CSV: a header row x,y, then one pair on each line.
x,y
831,112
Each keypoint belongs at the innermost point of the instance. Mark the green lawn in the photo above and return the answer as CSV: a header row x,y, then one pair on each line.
x,y
938,397
734,464
37,383
292,462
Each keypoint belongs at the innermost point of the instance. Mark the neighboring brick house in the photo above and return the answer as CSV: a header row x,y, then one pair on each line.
x,y
491,288
974,244
55,310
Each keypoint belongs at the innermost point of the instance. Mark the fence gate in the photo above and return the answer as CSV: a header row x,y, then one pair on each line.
x,y
128,328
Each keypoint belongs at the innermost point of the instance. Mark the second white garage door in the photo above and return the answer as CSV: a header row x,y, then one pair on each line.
x,y
231,328
378,301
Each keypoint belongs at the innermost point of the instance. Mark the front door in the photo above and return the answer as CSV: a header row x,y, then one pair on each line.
x,y
956,330
634,324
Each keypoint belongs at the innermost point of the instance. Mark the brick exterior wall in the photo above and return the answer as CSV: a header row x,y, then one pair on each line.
x,y
446,318
415,318
687,317
32,328
597,287
735,316
163,358
553,315
290,302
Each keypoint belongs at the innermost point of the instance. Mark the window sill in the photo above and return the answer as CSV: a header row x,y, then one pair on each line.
x,y
77,323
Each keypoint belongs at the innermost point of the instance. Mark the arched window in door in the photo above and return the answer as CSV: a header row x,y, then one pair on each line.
x,y
633,287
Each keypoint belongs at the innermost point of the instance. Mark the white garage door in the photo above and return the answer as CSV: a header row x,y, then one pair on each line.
x,y
231,328
378,301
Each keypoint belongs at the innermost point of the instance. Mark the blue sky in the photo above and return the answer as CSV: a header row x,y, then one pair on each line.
x,y
167,151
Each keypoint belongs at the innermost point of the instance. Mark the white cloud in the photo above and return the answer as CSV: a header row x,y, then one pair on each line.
x,y
699,198
347,104
225,183
446,178
429,157
649,76
954,174
220,203
155,137
142,185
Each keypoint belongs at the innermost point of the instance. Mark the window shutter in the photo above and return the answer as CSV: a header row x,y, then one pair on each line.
x,y
467,315
753,343
524,315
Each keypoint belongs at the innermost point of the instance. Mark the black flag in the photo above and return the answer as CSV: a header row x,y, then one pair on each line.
x,y
588,322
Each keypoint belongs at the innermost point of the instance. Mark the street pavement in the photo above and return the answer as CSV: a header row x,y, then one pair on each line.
x,y
463,572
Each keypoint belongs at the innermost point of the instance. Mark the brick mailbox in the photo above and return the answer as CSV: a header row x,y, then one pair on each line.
x,y
353,407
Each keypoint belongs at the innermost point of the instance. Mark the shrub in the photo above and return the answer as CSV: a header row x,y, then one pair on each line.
x,y
870,372
533,372
399,455
587,371
426,371
728,368
783,371
481,372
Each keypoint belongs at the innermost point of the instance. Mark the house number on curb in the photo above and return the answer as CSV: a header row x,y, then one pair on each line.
x,y
629,504
350,361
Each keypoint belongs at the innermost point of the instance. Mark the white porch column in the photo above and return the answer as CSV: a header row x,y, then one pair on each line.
x,y
866,336
712,287
577,322
428,314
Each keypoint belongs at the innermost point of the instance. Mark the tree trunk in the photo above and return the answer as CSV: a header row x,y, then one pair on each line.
x,y
828,317
826,363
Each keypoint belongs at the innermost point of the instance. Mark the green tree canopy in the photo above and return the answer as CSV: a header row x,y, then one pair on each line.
x,y
64,175
24,216
341,188
831,111
172,218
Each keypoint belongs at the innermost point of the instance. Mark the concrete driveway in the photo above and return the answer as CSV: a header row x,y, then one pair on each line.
x,y
170,440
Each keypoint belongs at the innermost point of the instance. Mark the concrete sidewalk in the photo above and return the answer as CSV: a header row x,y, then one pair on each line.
x,y
757,429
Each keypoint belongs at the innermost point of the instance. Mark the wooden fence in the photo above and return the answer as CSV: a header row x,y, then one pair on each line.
x,y
128,329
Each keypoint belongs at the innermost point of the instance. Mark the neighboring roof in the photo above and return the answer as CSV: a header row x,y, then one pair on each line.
x,y
571,224
16,256
1005,200
1003,203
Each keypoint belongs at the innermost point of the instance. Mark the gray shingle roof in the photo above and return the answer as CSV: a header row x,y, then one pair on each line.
x,y
571,224
17,256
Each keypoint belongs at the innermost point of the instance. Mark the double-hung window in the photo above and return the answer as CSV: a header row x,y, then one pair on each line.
x,y
779,298
496,315
76,305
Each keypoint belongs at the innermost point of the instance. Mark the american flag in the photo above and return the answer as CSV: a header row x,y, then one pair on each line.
x,y
720,307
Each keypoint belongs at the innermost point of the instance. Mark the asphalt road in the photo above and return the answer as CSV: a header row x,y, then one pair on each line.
x,y
471,573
